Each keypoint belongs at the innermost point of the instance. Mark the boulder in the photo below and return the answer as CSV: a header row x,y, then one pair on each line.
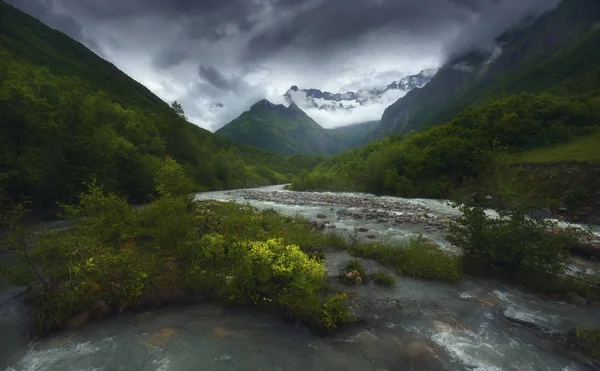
x,y
321,216
100,309
79,320
576,299
354,277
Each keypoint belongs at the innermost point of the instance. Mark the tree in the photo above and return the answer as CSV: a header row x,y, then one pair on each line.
x,y
178,110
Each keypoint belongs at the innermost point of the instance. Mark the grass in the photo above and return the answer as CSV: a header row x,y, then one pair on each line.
x,y
586,341
584,148
384,279
415,257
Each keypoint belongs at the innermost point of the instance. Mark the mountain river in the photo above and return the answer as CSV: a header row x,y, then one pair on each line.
x,y
417,325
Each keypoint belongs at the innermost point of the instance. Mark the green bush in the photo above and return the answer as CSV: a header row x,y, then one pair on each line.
x,y
272,274
384,279
173,249
512,243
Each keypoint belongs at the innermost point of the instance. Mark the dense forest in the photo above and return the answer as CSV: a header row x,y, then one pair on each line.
x,y
69,117
435,162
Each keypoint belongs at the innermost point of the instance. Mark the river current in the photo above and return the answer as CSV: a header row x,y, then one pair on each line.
x,y
417,325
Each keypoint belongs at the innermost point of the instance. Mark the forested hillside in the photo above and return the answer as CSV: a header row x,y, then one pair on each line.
x,y
526,58
69,116
473,147
289,130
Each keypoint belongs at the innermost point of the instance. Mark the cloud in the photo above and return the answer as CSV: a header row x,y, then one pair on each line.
x,y
237,52
216,78
489,22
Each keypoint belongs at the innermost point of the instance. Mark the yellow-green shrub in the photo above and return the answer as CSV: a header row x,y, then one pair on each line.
x,y
268,273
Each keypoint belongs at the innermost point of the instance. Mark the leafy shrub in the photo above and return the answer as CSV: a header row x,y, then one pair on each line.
x,y
512,243
270,273
384,279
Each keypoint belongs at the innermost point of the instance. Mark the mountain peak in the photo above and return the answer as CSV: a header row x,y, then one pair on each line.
x,y
323,100
263,103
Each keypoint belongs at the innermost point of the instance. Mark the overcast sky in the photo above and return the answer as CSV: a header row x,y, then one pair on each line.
x,y
236,52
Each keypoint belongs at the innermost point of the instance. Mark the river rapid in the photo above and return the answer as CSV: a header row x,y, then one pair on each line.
x,y
417,325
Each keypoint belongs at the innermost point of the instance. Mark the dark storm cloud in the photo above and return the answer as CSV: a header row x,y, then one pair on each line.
x,y
212,76
331,23
308,26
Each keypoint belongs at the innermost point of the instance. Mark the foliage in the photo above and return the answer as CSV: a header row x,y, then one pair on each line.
x,y
268,273
512,244
582,148
555,53
415,257
107,218
586,341
384,279
178,110
436,162
115,257
289,130
68,116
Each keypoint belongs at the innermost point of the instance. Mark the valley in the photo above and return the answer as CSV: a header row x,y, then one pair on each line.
x,y
448,220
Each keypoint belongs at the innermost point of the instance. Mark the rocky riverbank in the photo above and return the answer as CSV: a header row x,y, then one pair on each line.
x,y
375,216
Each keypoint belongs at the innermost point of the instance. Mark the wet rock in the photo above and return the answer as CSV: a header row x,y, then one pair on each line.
x,y
576,299
321,216
371,236
100,309
221,332
161,338
79,320
491,301
362,229
353,277
421,354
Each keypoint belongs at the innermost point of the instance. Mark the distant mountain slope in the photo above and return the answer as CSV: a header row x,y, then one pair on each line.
x,y
509,66
289,130
326,101
354,136
68,116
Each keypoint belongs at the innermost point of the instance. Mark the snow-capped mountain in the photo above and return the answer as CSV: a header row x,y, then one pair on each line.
x,y
315,98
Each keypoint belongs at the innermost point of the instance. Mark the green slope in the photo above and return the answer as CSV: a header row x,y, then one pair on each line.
x,y
69,116
580,149
288,130
532,59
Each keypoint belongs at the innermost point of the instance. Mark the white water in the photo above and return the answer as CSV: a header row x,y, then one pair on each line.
x,y
417,325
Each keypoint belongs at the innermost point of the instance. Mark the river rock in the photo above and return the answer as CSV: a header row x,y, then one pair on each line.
x,y
576,299
354,277
161,338
100,308
79,320
321,216
363,229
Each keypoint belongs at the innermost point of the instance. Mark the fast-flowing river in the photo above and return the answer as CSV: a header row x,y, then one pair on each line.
x,y
417,325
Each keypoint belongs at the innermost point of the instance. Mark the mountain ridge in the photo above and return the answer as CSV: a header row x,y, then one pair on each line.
x,y
289,130
324,100
478,75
